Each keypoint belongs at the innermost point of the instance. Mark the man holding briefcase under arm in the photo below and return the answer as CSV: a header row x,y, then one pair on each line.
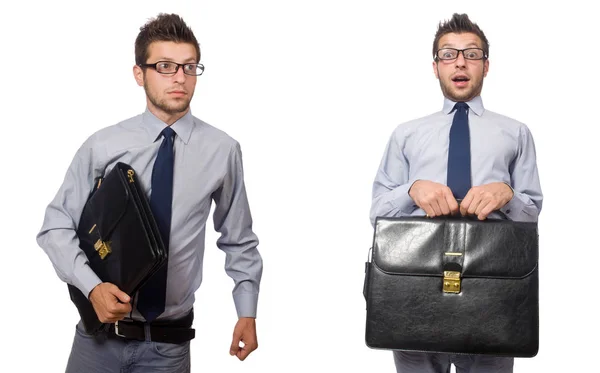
x,y
463,152
183,164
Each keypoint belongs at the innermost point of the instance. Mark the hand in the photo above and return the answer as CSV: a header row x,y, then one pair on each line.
x,y
110,303
245,331
482,200
436,199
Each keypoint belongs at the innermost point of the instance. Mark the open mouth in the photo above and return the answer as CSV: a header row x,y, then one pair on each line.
x,y
460,80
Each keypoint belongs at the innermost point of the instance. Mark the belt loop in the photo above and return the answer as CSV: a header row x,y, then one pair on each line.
x,y
147,333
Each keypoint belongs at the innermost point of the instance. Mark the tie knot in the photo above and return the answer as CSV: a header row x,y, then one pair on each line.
x,y
461,106
168,132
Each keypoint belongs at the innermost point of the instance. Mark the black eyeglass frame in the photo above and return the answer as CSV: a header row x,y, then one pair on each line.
x,y
459,51
155,67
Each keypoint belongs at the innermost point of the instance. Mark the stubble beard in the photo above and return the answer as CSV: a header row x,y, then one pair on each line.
x,y
461,95
179,106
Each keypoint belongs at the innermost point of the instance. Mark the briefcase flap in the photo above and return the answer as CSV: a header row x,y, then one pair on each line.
x,y
483,249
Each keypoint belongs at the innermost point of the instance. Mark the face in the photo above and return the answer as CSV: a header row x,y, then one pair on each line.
x,y
168,96
460,79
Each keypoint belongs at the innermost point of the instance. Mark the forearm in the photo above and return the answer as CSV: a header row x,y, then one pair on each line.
x,y
70,263
392,183
232,217
57,236
526,203
391,201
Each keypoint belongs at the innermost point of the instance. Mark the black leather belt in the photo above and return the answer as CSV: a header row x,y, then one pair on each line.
x,y
165,331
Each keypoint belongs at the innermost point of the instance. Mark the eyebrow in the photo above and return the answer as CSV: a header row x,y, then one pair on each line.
x,y
189,60
470,45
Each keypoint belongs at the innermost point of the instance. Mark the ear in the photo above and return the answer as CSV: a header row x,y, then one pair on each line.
x,y
486,66
138,74
435,70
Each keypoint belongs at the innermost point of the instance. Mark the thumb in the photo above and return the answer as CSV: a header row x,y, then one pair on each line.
x,y
121,296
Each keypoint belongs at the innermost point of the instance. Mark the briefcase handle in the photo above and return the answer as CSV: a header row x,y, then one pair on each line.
x,y
474,217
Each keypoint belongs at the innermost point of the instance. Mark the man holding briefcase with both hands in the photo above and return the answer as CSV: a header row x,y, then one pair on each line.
x,y
491,167
183,163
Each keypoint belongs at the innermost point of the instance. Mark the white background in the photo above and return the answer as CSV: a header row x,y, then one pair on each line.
x,y
312,90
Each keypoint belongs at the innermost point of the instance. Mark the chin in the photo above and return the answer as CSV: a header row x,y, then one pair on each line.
x,y
178,108
461,96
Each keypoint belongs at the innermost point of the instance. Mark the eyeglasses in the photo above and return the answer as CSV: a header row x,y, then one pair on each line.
x,y
170,68
446,54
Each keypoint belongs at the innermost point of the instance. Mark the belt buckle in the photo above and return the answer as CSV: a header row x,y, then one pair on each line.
x,y
117,330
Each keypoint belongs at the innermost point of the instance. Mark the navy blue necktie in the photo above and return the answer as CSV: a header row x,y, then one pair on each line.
x,y
459,152
151,301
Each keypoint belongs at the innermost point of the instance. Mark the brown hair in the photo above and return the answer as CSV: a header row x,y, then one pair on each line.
x,y
165,27
459,23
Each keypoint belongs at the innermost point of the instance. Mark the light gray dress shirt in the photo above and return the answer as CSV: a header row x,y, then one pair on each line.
x,y
208,166
502,150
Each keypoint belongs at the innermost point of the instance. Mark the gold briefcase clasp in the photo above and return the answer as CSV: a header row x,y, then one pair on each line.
x,y
103,248
451,282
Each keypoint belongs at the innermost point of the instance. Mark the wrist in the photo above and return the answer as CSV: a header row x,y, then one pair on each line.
x,y
411,187
510,193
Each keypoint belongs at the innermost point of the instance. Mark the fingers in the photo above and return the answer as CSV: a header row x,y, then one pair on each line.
x,y
119,305
451,202
435,199
473,207
472,202
485,210
116,311
466,202
120,309
437,210
248,345
121,296
246,350
244,333
427,208
448,203
443,203
110,303
482,200
235,344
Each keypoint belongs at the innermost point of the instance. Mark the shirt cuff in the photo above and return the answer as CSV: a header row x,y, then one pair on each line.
x,y
246,304
85,279
401,200
513,206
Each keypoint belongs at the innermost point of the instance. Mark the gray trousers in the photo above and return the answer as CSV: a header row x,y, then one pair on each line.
x,y
100,354
420,362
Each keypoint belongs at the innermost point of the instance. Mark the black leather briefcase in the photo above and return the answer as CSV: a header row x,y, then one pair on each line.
x,y
453,285
118,234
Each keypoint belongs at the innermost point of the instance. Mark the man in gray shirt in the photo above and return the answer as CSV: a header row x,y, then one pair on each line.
x,y
412,177
206,165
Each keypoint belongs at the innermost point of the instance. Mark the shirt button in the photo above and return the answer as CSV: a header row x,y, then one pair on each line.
x,y
508,211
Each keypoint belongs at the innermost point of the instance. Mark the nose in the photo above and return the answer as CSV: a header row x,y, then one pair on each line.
x,y
179,76
460,59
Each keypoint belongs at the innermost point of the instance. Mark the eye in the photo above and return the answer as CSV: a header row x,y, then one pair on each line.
x,y
474,54
448,53
190,67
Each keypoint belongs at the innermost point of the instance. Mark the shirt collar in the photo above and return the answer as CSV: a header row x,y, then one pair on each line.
x,y
182,127
476,105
